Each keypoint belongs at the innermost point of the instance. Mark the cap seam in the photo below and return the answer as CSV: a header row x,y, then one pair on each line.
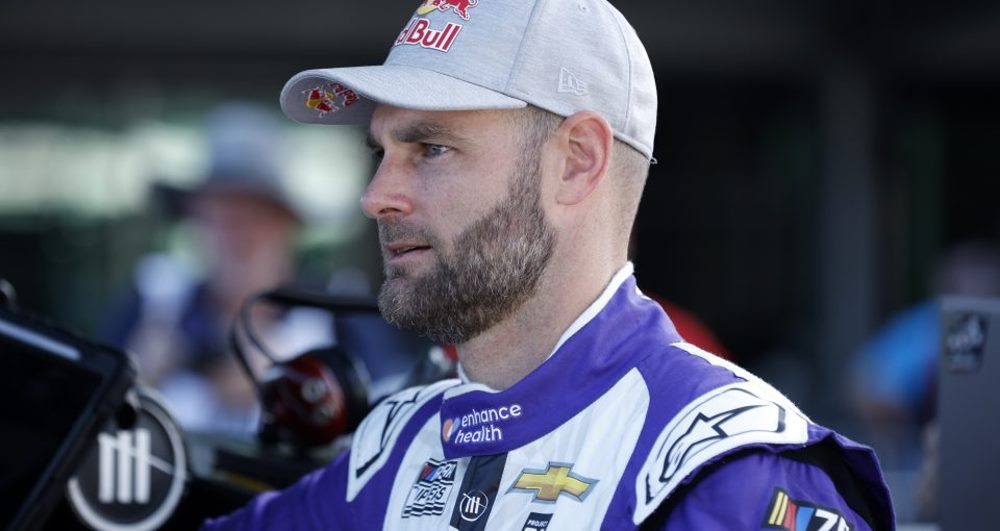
x,y
504,93
516,65
628,63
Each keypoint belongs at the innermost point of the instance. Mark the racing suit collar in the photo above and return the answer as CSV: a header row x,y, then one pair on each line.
x,y
594,353
595,307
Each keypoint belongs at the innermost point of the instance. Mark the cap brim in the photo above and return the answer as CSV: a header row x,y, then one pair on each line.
x,y
177,202
313,96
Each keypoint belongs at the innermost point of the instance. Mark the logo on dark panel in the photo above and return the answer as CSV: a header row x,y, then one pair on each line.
x,y
473,505
133,478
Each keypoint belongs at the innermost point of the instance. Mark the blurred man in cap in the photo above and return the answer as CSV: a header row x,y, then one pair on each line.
x,y
513,141
177,322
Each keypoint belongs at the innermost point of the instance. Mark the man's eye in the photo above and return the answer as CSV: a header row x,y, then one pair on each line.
x,y
435,150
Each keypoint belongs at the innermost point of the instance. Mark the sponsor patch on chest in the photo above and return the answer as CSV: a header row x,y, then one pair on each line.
x,y
429,493
537,522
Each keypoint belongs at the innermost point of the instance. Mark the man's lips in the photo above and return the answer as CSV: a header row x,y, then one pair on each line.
x,y
399,250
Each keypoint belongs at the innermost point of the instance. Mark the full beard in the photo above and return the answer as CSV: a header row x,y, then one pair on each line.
x,y
495,267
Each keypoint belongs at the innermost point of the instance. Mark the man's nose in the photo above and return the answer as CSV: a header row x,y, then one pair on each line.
x,y
387,193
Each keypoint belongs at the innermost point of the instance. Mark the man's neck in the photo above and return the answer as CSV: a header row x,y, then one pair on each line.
x,y
506,353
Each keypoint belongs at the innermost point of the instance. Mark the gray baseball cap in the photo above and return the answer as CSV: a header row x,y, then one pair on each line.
x,y
245,144
563,56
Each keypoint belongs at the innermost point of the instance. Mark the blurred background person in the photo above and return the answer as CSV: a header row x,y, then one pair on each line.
x,y
894,372
176,322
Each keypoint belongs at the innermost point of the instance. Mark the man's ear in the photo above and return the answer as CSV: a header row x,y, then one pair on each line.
x,y
585,139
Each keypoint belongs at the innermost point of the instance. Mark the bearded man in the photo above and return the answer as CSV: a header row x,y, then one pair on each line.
x,y
513,142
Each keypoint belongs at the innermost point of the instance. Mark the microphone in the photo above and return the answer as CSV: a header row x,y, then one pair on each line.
x,y
312,398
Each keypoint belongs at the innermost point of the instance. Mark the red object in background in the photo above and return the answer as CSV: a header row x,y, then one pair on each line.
x,y
450,352
693,330
303,402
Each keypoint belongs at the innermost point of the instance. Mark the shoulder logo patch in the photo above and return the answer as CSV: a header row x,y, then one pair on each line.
x,y
375,438
714,424
794,515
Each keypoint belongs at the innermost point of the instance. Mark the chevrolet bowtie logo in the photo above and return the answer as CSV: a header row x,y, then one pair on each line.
x,y
557,479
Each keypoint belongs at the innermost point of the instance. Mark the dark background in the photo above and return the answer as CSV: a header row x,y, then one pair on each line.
x,y
815,158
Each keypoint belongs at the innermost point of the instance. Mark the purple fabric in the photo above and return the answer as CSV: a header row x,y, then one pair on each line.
x,y
739,496
586,366
300,506
674,378
317,501
630,333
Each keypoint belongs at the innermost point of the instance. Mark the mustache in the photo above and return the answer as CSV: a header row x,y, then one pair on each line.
x,y
392,231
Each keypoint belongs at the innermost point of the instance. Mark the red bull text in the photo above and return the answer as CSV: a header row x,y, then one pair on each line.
x,y
418,33
324,99
349,95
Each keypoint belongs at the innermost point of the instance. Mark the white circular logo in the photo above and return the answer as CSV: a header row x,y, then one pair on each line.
x,y
132,479
473,505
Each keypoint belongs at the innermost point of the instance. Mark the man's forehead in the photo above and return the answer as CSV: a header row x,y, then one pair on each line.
x,y
404,123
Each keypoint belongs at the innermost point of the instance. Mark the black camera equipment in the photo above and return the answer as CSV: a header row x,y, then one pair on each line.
x,y
86,446
59,390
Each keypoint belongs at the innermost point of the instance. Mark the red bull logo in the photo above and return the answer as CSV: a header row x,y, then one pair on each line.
x,y
324,99
419,33
460,7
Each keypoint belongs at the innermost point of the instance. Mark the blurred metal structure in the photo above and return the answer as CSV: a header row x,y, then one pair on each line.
x,y
715,36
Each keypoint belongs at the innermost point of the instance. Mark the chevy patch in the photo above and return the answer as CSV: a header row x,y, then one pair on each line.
x,y
796,515
558,478
429,494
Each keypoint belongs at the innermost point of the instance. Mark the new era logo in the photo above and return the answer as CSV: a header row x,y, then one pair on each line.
x,y
569,83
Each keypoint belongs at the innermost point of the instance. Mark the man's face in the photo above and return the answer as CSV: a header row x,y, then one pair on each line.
x,y
247,240
464,235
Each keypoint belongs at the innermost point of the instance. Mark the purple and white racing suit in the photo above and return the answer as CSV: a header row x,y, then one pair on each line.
x,y
624,426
